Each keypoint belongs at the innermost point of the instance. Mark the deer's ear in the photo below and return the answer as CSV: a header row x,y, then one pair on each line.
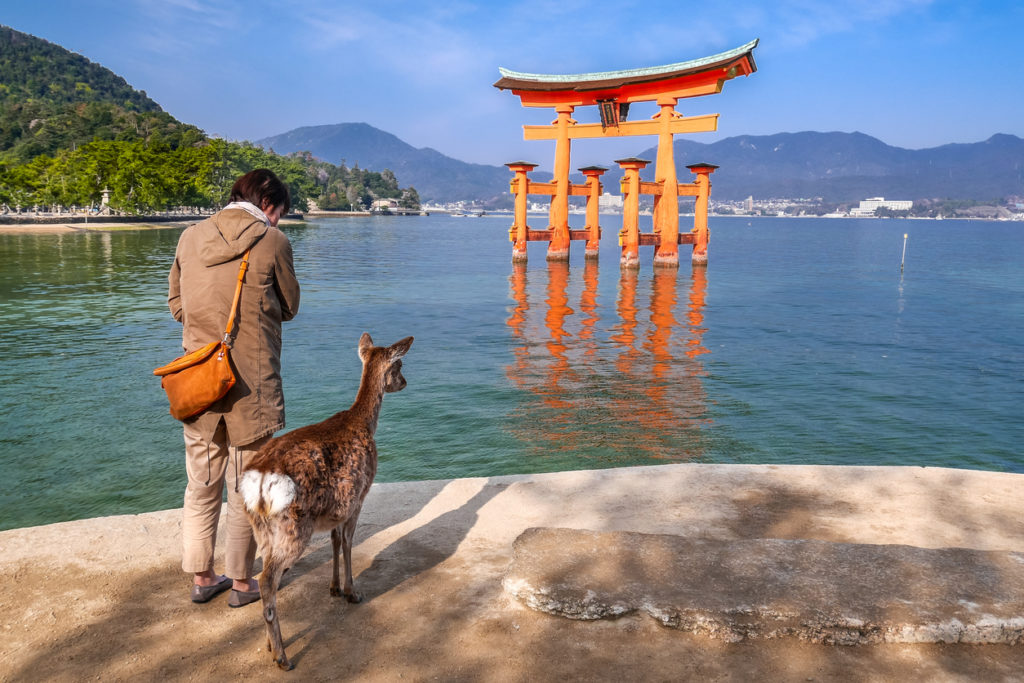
x,y
400,348
365,344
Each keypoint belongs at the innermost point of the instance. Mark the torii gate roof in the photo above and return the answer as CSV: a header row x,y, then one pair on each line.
x,y
615,80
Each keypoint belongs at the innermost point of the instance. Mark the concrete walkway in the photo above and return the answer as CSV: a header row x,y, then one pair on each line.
x,y
105,597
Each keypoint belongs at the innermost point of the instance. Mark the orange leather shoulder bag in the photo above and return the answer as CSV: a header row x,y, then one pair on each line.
x,y
195,381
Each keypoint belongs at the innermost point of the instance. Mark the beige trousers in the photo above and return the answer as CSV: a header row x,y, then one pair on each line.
x,y
208,465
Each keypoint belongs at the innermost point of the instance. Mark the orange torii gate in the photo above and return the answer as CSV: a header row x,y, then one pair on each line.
x,y
613,92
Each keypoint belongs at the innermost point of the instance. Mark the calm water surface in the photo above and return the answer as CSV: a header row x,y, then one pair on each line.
x,y
800,343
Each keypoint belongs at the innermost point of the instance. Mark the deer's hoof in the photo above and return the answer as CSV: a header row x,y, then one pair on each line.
x,y
336,591
284,664
354,597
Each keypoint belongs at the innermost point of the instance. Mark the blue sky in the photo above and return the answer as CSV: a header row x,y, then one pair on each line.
x,y
913,73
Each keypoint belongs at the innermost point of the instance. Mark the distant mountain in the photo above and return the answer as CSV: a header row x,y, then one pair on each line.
x,y
838,167
435,176
841,167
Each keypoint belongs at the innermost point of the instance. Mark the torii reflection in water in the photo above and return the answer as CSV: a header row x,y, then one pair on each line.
x,y
620,386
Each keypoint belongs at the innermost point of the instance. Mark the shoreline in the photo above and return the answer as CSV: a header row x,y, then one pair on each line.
x,y
44,226
106,598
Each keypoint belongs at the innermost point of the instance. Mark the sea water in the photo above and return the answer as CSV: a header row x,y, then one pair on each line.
x,y
801,342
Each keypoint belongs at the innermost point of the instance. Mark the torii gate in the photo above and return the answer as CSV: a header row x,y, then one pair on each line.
x,y
613,92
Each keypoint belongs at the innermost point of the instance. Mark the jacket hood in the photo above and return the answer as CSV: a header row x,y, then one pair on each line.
x,y
226,235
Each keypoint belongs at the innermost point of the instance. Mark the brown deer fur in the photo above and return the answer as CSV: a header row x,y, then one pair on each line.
x,y
315,478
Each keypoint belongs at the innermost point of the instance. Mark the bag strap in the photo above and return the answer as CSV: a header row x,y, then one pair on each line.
x,y
238,295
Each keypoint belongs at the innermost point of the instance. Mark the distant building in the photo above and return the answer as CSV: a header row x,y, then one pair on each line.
x,y
868,206
609,201
384,204
749,204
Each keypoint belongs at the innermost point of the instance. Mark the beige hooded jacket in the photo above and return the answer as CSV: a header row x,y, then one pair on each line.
x,y
202,284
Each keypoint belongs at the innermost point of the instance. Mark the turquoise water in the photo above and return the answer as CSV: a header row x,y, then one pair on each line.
x,y
800,343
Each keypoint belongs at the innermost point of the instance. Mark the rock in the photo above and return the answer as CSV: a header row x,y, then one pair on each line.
x,y
841,593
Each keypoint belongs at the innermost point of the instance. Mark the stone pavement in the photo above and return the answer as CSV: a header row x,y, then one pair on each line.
x,y
106,599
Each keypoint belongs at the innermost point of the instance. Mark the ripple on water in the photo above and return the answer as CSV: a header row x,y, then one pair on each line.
x,y
827,357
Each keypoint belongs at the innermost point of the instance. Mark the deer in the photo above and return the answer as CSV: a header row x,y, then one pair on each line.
x,y
315,478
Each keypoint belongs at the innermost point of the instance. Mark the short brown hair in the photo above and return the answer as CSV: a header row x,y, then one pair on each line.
x,y
260,186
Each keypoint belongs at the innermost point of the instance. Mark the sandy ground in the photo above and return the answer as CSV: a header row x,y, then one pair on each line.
x,y
105,599
97,226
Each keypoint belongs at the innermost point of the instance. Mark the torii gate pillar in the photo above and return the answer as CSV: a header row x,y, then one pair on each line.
x,y
613,92
666,204
558,248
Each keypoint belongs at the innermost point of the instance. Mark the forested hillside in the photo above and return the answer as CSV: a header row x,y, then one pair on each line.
x,y
70,128
52,99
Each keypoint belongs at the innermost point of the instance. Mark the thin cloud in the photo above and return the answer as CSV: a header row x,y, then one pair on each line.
x,y
799,22
422,49
177,28
196,14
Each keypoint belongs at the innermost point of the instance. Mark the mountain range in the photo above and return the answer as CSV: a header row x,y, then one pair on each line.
x,y
836,167
844,167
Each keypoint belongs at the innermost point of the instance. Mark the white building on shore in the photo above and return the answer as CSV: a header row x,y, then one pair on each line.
x,y
867,206
609,202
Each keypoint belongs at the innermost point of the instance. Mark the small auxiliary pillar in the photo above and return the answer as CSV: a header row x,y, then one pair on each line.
x,y
629,236
518,234
593,226
700,212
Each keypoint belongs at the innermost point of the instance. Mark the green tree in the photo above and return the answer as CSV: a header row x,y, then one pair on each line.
x,y
410,199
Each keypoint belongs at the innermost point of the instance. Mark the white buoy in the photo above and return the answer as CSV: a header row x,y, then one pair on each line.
x,y
904,257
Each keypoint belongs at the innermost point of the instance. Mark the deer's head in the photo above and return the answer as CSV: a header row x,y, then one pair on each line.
x,y
385,360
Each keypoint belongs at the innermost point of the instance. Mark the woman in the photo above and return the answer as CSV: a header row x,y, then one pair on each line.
x,y
220,441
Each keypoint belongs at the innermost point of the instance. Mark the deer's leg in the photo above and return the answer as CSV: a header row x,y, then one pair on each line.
x,y
270,579
264,541
289,540
347,532
336,545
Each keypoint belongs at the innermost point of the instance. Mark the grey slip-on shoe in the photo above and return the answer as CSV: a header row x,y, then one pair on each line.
x,y
206,593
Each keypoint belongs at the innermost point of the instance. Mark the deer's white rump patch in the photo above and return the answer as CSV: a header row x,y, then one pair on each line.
x,y
267,494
